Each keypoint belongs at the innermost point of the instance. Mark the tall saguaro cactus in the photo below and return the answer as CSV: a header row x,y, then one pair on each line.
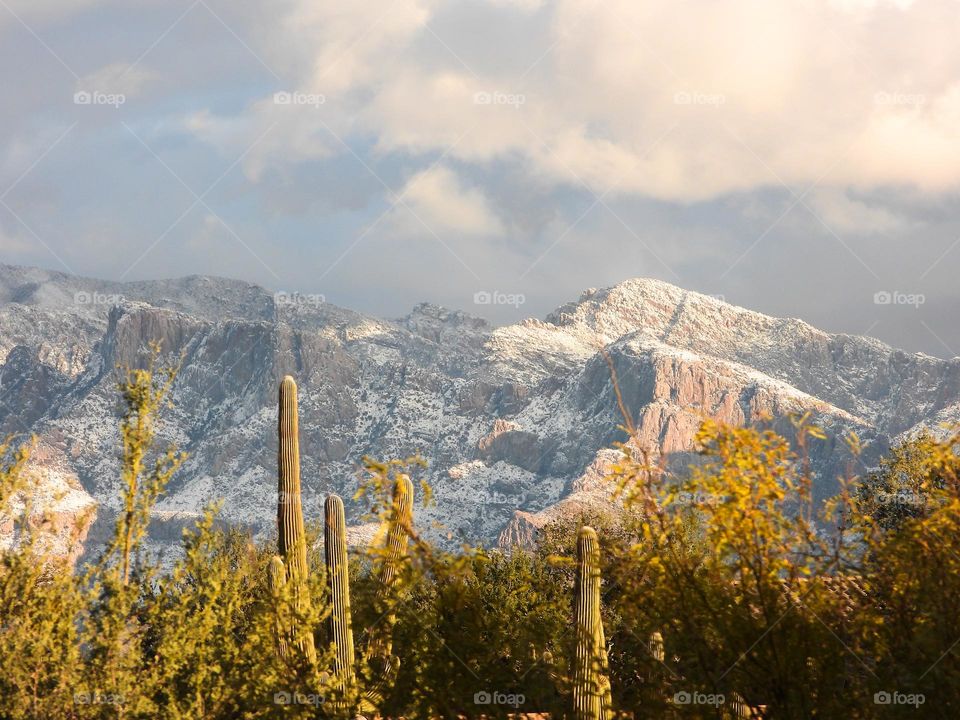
x,y
394,550
591,687
291,564
380,647
341,629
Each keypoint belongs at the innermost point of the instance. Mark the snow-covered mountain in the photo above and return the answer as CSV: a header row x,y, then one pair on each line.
x,y
513,421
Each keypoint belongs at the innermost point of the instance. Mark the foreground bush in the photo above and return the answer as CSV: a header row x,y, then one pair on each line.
x,y
726,592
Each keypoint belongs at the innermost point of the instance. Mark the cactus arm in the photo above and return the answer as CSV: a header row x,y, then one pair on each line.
x,y
375,694
276,580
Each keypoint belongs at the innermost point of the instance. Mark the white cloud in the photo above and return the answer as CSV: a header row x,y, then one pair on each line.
x,y
15,246
438,199
860,5
120,77
845,214
678,101
525,5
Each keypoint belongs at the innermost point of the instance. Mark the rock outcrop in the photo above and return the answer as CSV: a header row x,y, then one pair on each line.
x,y
513,421
53,510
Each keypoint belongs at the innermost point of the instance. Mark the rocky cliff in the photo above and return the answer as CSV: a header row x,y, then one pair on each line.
x,y
513,421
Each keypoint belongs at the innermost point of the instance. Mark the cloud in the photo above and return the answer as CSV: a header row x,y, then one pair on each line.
x,y
438,199
732,98
117,78
551,145
14,246
846,214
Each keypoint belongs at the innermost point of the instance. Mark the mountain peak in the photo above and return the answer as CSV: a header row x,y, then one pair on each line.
x,y
629,295
433,383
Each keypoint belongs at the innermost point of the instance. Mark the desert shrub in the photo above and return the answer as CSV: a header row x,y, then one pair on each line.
x,y
726,582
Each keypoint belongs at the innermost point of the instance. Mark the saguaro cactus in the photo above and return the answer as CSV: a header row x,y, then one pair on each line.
x,y
737,708
656,646
394,550
341,629
380,647
591,687
277,580
291,563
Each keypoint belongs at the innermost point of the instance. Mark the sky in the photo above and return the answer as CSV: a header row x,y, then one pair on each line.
x,y
798,157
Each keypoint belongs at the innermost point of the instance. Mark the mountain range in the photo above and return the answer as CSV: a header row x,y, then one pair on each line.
x,y
515,423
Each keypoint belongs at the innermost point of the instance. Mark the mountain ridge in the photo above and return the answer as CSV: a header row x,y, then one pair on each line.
x,y
515,421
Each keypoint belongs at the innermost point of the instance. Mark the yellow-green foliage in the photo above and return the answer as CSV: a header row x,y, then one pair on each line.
x,y
144,392
39,599
761,595
727,584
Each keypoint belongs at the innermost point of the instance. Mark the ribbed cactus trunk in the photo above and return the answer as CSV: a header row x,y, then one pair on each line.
x,y
380,647
656,646
739,710
395,549
291,542
591,687
341,630
276,581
